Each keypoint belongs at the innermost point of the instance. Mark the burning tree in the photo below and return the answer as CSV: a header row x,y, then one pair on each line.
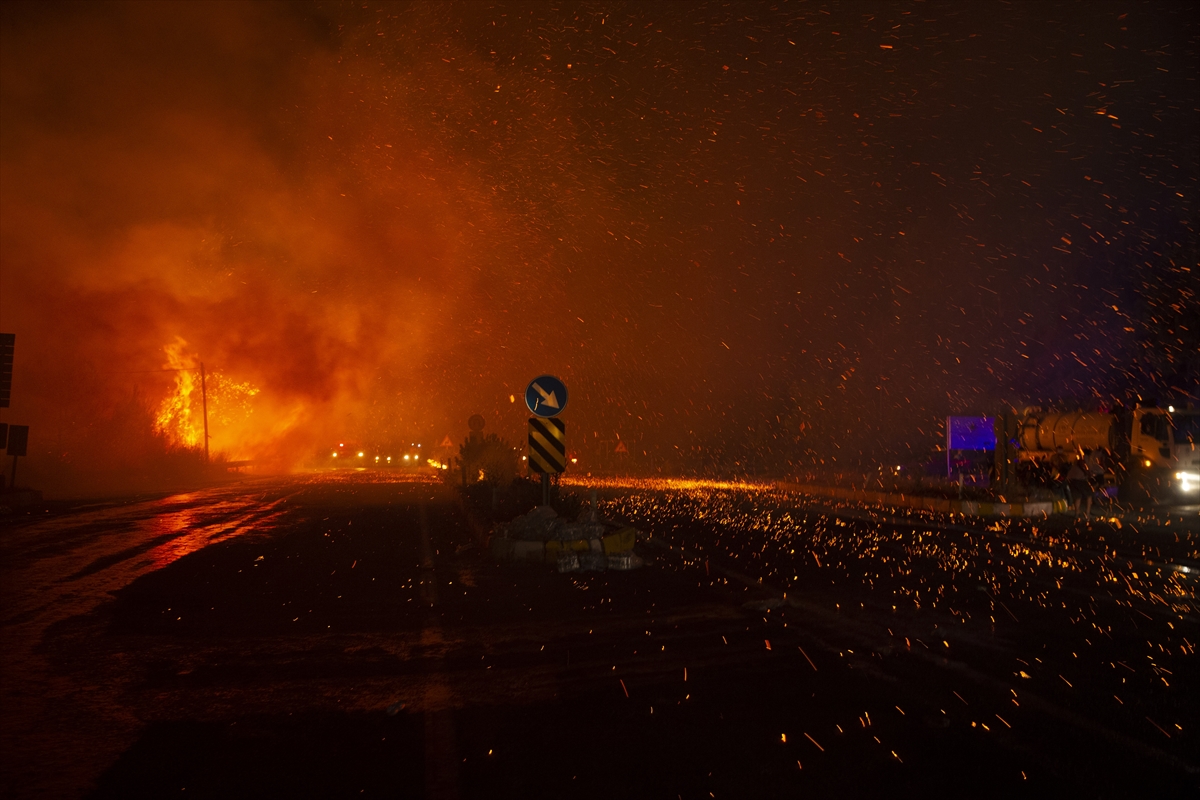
x,y
180,418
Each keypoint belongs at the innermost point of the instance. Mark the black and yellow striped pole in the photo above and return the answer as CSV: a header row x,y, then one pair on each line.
x,y
547,449
546,397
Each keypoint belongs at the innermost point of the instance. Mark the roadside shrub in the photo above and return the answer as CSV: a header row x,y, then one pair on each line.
x,y
488,459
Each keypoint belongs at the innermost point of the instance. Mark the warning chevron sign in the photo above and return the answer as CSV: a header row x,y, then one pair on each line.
x,y
547,444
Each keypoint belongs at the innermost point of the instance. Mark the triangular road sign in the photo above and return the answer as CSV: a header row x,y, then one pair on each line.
x,y
621,448
447,442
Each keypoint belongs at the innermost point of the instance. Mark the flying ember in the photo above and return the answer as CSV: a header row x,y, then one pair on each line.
x,y
679,399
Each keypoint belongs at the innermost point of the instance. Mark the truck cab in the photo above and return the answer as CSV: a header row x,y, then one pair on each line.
x,y
1166,442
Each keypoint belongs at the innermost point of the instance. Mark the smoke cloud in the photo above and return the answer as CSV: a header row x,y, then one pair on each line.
x,y
746,241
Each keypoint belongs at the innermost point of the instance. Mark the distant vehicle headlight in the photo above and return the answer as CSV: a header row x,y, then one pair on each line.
x,y
1188,481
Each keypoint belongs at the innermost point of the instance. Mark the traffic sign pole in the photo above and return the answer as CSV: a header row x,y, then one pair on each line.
x,y
546,397
547,445
547,450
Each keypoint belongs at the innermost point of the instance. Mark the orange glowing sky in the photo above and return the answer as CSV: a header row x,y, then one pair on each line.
x,y
761,240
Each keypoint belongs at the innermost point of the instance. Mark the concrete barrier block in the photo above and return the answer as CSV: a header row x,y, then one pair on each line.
x,y
529,551
501,548
620,541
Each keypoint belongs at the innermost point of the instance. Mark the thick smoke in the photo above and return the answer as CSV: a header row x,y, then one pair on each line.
x,y
211,178
749,239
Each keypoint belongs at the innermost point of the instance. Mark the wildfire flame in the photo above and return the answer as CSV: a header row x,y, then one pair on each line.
x,y
180,417
175,419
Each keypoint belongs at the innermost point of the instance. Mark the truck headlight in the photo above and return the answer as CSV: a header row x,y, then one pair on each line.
x,y
1188,481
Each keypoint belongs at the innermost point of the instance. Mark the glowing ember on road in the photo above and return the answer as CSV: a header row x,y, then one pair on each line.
x,y
661,484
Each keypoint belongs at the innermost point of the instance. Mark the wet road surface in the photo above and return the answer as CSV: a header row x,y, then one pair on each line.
x,y
345,635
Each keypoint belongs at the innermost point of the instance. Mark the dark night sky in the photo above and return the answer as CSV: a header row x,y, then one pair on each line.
x,y
763,233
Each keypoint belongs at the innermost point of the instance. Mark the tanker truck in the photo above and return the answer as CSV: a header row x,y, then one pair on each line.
x,y
1150,450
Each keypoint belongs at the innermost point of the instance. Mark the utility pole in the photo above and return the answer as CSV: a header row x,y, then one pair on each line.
x,y
204,406
203,394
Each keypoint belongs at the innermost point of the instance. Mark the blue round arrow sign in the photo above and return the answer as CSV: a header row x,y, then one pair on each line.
x,y
546,396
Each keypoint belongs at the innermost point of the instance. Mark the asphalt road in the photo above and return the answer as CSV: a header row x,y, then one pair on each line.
x,y
345,635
